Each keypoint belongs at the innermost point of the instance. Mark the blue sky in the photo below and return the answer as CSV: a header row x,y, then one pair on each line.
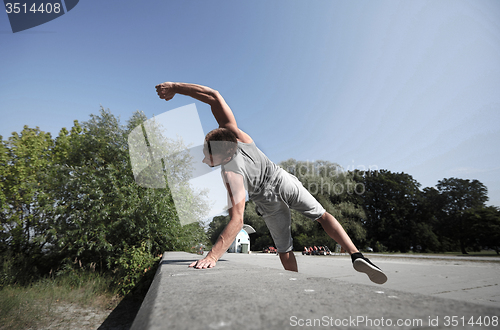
x,y
408,86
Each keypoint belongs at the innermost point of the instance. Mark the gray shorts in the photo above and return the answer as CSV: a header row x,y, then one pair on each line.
x,y
275,207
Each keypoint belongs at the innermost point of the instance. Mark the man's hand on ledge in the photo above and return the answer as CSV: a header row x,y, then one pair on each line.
x,y
204,263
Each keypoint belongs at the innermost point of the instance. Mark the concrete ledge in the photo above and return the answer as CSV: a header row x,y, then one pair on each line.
x,y
236,295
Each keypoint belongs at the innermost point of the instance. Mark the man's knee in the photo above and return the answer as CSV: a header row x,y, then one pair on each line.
x,y
323,217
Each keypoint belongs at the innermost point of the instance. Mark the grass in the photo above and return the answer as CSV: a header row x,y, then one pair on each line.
x,y
29,307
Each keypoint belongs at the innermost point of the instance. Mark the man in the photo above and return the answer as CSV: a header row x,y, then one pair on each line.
x,y
274,191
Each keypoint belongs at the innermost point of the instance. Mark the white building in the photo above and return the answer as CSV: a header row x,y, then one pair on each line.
x,y
241,243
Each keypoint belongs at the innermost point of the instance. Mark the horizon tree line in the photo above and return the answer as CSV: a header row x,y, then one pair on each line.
x,y
71,201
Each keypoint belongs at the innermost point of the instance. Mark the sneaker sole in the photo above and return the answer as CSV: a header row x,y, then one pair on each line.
x,y
375,274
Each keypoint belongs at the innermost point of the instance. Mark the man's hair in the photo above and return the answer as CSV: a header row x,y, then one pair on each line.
x,y
221,141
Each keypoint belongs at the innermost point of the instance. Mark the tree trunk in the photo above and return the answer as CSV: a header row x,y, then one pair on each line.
x,y
462,247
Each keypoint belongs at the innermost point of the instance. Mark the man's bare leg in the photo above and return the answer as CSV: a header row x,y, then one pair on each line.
x,y
289,262
334,229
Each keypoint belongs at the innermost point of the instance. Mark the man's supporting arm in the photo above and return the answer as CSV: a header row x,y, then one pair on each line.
x,y
236,192
229,233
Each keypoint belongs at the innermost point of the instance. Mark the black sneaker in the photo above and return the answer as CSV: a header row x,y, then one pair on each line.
x,y
364,265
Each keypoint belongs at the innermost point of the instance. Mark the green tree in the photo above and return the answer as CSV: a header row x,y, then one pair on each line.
x,y
484,227
391,202
24,202
4,158
428,227
460,195
100,210
75,201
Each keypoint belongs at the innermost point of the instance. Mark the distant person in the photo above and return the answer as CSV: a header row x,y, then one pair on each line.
x,y
274,191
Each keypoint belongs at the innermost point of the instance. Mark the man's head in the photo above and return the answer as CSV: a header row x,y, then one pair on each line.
x,y
220,146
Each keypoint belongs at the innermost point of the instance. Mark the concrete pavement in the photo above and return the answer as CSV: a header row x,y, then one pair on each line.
x,y
253,292
471,279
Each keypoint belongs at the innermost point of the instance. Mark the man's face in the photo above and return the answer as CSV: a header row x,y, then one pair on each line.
x,y
212,160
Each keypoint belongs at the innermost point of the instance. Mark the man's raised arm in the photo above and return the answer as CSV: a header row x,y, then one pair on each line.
x,y
221,111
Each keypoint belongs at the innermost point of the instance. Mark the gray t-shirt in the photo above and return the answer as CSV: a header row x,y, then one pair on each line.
x,y
271,188
260,175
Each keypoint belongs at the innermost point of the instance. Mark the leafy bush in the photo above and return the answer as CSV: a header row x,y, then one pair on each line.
x,y
72,203
135,269
379,247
